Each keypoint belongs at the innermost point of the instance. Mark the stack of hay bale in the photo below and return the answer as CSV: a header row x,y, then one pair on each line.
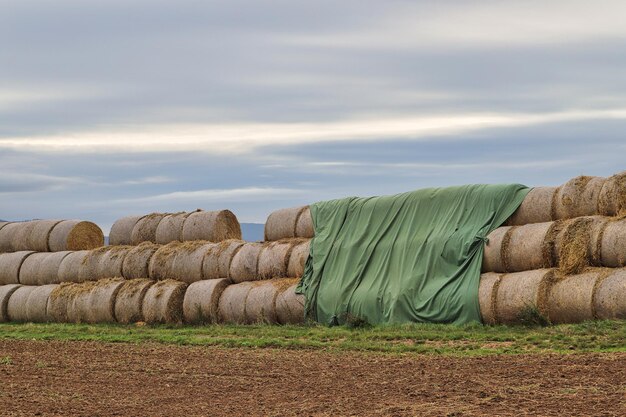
x,y
219,278
559,256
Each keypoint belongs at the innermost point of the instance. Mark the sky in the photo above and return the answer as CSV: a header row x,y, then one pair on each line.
x,y
128,107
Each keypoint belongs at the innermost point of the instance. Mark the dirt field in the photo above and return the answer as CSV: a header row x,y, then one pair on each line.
x,y
100,379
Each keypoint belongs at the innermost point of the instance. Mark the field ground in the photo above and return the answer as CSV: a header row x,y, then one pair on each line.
x,y
106,370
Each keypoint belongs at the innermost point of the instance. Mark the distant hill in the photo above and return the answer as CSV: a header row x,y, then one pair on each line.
x,y
252,232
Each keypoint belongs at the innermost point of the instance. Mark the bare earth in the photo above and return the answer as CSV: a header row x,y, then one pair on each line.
x,y
100,379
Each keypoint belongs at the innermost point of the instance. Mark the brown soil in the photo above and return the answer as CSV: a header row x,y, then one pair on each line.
x,y
99,379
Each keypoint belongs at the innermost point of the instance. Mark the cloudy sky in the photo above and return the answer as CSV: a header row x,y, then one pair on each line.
x,y
109,108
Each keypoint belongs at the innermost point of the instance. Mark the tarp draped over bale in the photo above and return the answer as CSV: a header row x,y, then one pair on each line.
x,y
219,257
288,223
163,302
201,302
129,300
5,293
10,264
244,266
42,268
523,295
137,261
290,305
412,257
212,226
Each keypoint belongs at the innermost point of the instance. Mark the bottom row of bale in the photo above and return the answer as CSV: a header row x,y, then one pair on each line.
x,y
597,293
143,300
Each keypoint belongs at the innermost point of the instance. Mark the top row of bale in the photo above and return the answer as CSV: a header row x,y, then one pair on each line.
x,y
580,196
49,236
163,228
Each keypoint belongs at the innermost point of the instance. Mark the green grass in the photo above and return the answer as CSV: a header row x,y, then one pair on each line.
x,y
597,336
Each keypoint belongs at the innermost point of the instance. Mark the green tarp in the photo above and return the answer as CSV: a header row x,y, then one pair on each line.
x,y
412,257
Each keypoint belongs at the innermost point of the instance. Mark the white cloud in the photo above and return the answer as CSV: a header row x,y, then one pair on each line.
x,y
488,24
241,138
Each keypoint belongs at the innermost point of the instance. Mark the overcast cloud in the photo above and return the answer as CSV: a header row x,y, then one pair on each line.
x,y
117,107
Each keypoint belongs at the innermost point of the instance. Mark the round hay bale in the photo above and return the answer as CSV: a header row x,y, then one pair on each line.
x,y
282,224
7,234
578,197
188,261
596,233
522,294
571,245
244,266
10,264
487,292
42,268
610,297
72,267
38,239
612,201
104,262
2,224
75,235
201,303
493,261
129,300
261,303
298,258
18,303
524,250
274,259
536,207
212,226
218,259
122,229
5,294
145,228
613,244
21,239
170,228
37,304
163,302
137,261
60,304
570,299
232,303
304,225
289,305
162,261
102,298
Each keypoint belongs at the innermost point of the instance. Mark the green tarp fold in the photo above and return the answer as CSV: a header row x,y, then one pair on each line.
x,y
411,257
